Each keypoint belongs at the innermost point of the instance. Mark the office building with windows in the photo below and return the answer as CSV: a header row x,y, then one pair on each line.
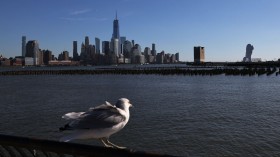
x,y
199,54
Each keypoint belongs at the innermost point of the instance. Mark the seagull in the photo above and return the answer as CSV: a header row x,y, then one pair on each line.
x,y
98,122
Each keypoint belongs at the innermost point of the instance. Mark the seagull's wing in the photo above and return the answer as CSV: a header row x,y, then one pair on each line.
x,y
103,116
107,105
72,115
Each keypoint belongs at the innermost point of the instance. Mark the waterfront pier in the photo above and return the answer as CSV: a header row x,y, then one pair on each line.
x,y
234,71
12,146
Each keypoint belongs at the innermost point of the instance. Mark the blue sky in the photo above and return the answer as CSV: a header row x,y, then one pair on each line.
x,y
223,27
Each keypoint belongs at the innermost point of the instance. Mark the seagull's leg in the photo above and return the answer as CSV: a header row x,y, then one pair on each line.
x,y
105,142
116,146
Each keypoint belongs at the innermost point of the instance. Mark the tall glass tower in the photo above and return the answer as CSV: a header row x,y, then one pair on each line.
x,y
87,41
23,46
115,41
116,31
97,45
75,51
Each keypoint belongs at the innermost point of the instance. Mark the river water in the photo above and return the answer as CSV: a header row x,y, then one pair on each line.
x,y
178,115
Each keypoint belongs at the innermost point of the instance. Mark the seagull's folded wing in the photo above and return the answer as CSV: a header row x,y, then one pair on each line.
x,y
107,105
103,116
72,115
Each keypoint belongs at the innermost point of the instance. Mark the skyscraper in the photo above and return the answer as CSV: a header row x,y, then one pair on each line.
x,y
86,41
106,47
65,55
147,54
122,40
136,56
199,54
97,45
127,46
147,51
249,51
23,46
47,56
177,57
154,52
116,46
116,31
115,41
87,52
75,51
32,50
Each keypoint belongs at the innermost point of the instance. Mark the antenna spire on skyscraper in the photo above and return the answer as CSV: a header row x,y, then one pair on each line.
x,y
116,15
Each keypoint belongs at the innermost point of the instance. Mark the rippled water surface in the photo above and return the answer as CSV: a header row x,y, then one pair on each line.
x,y
178,115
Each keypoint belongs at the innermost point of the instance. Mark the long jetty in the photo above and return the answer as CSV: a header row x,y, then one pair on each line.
x,y
151,71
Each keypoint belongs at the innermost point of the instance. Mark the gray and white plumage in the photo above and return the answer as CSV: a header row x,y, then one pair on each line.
x,y
99,122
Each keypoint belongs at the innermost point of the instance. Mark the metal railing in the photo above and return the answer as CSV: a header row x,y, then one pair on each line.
x,y
13,146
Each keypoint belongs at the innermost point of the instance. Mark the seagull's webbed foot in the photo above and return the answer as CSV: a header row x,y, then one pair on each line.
x,y
107,143
114,145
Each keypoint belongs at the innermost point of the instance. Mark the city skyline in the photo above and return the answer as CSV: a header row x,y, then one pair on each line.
x,y
223,28
118,51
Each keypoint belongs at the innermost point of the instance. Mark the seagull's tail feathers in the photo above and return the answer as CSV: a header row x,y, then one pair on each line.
x,y
66,138
72,115
74,136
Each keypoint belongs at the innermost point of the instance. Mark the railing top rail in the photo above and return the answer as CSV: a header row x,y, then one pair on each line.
x,y
71,148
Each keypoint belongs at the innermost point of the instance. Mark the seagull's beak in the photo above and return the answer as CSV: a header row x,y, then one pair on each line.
x,y
131,105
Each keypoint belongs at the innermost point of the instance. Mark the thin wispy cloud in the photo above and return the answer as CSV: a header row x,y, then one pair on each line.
x,y
78,12
83,19
74,16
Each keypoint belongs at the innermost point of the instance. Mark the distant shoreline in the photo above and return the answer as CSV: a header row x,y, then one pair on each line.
x,y
175,70
188,68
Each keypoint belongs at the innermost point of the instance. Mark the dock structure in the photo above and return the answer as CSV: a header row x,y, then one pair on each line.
x,y
13,146
153,71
